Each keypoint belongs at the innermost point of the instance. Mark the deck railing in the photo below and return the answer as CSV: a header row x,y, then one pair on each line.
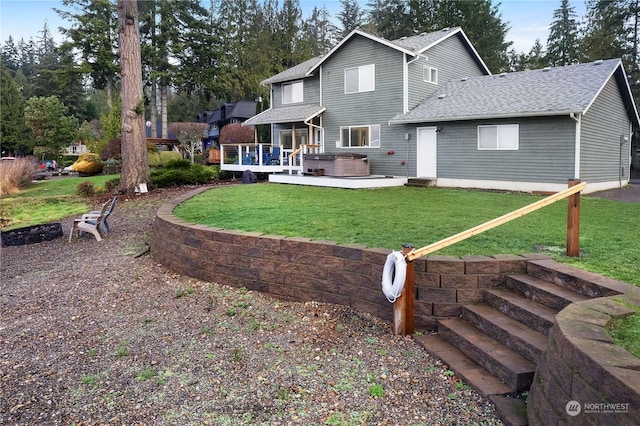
x,y
264,158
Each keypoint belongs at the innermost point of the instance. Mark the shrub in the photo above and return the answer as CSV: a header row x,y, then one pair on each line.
x,y
85,189
161,158
111,184
178,164
16,174
174,176
89,164
112,150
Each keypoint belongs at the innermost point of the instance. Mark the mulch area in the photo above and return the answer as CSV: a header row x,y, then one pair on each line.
x,y
98,333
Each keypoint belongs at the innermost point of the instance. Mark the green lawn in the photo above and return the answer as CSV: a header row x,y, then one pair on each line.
x,y
392,216
47,201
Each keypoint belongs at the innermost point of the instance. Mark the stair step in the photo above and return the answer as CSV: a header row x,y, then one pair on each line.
x,y
581,281
529,312
467,369
420,182
506,330
543,292
512,368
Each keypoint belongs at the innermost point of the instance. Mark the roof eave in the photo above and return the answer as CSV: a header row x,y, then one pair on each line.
x,y
484,117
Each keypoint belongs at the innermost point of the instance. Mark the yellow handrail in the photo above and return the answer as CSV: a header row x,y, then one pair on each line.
x,y
414,254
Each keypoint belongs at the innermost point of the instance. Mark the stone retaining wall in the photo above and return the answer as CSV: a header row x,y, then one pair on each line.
x,y
583,378
301,269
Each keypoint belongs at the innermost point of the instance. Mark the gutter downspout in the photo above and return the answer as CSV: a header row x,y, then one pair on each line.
x,y
576,166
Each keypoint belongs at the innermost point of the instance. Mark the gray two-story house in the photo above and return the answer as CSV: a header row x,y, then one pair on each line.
x,y
427,106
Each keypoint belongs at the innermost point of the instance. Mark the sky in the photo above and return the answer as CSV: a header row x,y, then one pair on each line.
x,y
528,19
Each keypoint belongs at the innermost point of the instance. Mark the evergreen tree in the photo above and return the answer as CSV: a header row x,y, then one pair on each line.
x,y
320,32
390,19
563,44
51,126
93,35
12,124
135,164
482,23
351,16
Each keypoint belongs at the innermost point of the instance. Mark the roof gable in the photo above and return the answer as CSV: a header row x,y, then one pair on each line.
x,y
413,46
549,91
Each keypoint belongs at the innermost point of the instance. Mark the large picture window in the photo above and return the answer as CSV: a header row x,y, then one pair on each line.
x,y
360,136
501,137
292,92
360,79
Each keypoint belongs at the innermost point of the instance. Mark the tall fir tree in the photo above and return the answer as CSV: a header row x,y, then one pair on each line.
x,y
351,16
563,43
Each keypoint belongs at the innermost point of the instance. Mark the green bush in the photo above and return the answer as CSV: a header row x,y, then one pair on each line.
x,y
85,189
111,184
161,158
194,174
178,164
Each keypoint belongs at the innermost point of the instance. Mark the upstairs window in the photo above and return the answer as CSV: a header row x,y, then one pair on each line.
x,y
360,79
502,137
292,92
430,74
360,136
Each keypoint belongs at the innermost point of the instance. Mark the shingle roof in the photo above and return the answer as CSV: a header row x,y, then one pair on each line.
x,y
420,42
293,73
549,91
412,45
243,109
288,114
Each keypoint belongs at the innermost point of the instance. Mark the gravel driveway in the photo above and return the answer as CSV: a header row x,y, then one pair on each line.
x,y
98,333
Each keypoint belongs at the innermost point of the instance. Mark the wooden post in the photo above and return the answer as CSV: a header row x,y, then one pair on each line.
x,y
403,306
573,222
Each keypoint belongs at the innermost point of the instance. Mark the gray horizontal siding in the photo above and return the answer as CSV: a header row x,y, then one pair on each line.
x,y
366,108
450,58
601,155
545,154
311,87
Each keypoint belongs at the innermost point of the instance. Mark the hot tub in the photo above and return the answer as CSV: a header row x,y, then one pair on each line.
x,y
343,164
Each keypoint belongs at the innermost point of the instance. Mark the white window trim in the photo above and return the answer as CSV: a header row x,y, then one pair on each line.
x,y
293,100
428,70
360,79
498,127
372,143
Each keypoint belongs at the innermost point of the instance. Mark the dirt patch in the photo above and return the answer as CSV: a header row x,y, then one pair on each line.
x,y
98,333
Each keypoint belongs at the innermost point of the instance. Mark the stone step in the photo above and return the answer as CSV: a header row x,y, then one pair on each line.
x,y
578,280
543,292
531,313
510,367
511,333
467,369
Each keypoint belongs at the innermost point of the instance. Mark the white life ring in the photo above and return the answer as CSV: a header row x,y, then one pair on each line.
x,y
393,275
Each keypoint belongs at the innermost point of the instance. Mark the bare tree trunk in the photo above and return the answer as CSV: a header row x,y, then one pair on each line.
x,y
154,109
135,165
165,98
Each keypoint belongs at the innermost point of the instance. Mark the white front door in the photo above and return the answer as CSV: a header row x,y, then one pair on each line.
x,y
426,159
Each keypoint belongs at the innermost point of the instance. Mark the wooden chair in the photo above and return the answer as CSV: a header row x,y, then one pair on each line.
x,y
104,225
90,222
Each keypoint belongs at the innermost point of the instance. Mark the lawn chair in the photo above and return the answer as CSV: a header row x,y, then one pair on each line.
x,y
104,225
90,223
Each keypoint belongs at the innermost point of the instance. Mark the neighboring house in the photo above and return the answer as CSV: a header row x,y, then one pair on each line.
x,y
427,106
228,113
75,148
